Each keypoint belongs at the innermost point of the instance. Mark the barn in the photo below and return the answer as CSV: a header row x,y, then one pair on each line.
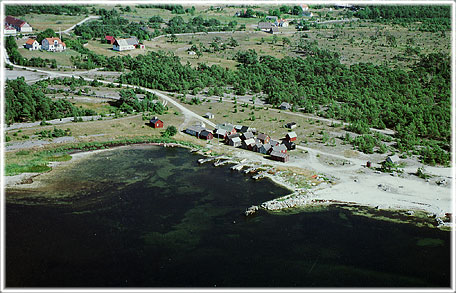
x,y
156,123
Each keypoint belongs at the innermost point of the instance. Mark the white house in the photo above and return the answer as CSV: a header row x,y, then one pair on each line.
x,y
281,23
9,30
53,45
122,45
20,25
32,45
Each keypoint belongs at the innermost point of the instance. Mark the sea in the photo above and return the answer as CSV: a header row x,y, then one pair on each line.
x,y
148,216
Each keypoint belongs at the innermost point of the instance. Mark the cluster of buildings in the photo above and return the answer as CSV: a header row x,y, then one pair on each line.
x,y
123,44
47,44
248,138
272,24
15,25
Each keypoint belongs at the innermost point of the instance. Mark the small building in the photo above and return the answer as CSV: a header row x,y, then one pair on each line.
x,y
248,143
281,157
264,26
291,125
273,30
274,142
238,128
9,30
290,145
247,135
281,148
265,148
18,24
194,130
156,123
247,129
110,40
291,136
257,146
132,41
32,45
231,136
285,106
53,45
220,133
282,23
393,159
209,115
235,141
227,126
264,138
205,134
271,18
122,45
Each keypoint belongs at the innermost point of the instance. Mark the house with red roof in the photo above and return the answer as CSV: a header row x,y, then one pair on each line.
x,y
110,39
20,25
53,45
32,44
9,30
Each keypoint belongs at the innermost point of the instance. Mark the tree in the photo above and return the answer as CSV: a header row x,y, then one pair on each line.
x,y
286,41
169,132
48,33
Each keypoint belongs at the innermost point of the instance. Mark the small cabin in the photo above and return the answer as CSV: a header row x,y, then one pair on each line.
x,y
264,138
291,136
281,157
209,115
205,134
156,123
235,141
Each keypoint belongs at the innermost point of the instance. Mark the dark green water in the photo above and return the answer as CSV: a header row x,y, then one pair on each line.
x,y
151,217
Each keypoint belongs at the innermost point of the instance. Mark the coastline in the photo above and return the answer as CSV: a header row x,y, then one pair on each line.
x,y
361,192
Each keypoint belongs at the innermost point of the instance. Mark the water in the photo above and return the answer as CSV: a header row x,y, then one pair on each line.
x,y
152,217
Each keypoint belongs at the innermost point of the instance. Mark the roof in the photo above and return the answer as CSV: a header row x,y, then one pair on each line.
x,y
132,41
220,132
273,142
279,148
205,132
267,146
262,136
51,40
121,42
278,154
236,139
292,134
227,127
155,120
393,159
195,128
264,25
7,27
14,21
109,38
248,135
285,104
249,141
30,41
233,135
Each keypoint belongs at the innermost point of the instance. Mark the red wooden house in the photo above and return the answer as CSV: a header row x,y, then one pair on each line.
x,y
110,39
156,123
291,136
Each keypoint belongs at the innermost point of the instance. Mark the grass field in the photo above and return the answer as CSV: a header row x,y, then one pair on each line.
x,y
62,58
40,22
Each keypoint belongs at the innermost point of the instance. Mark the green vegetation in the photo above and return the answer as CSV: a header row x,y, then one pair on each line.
x,y
25,102
431,18
16,57
169,132
18,10
56,132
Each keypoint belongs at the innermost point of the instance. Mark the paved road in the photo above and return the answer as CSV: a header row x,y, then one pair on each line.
x,y
67,31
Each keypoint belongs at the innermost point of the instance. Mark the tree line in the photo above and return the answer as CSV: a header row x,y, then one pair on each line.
x,y
18,10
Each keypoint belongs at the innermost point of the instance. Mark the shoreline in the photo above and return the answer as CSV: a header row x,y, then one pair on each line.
x,y
322,193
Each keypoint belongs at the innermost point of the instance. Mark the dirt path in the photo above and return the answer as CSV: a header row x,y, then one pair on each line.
x,y
67,31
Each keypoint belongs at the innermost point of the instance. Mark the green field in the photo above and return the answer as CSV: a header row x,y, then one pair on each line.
x,y
40,22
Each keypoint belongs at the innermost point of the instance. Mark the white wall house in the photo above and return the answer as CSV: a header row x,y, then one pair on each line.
x,y
32,45
20,25
9,30
122,45
53,45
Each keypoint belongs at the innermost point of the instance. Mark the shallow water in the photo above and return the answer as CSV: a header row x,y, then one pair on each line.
x,y
153,217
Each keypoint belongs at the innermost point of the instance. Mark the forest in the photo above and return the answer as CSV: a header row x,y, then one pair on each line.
x,y
18,10
25,102
433,18
112,24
